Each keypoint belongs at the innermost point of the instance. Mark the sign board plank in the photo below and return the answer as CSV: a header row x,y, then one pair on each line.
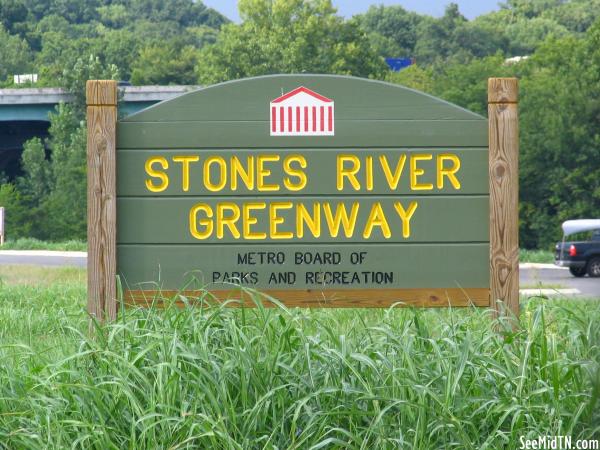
x,y
349,134
305,220
322,298
343,267
355,99
320,165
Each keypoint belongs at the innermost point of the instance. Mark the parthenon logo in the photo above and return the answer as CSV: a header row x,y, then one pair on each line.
x,y
302,112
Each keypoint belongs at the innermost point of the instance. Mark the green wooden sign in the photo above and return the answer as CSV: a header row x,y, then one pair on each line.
x,y
321,190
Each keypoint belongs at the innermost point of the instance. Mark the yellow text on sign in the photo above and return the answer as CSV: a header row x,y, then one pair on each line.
x,y
230,220
257,172
349,166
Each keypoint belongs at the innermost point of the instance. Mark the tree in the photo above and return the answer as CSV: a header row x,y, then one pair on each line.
x,y
576,15
465,84
479,40
184,12
453,37
74,77
33,189
15,56
527,35
66,203
288,36
35,183
392,29
531,8
166,63
560,139
18,218
202,35
74,11
435,38
12,13
414,77
55,188
114,15
60,50
118,48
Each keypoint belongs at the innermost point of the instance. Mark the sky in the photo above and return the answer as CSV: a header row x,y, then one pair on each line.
x,y
347,8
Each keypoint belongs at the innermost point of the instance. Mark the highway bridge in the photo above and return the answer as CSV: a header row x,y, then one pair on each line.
x,y
24,114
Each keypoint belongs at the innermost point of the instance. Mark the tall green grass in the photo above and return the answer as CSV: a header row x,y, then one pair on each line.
x,y
224,378
36,244
536,256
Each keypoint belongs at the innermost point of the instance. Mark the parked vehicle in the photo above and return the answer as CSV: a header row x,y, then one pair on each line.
x,y
581,254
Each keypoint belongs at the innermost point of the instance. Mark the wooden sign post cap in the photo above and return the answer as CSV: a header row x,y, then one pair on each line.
x,y
503,90
101,93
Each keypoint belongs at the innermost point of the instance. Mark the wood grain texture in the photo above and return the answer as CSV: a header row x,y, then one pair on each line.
x,y
102,199
101,93
503,90
376,298
504,194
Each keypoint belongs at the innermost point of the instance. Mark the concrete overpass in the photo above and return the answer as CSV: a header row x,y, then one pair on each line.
x,y
24,114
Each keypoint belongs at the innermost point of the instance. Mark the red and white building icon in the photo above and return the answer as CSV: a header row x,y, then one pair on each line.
x,y
302,112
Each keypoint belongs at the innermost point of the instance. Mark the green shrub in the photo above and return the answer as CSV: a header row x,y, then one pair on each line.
x,y
17,220
536,256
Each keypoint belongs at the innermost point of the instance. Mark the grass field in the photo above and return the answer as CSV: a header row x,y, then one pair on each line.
x,y
35,244
536,256
276,378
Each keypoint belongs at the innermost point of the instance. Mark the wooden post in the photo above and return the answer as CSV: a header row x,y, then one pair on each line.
x,y
504,194
102,199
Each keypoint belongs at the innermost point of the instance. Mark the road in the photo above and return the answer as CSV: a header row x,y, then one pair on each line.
x,y
550,279
43,258
556,281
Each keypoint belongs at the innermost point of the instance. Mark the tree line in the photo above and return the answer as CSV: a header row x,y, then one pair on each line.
x,y
184,42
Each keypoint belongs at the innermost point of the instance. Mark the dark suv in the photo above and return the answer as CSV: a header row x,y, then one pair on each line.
x,y
581,255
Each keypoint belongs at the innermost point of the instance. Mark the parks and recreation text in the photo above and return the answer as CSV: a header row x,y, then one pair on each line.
x,y
300,263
